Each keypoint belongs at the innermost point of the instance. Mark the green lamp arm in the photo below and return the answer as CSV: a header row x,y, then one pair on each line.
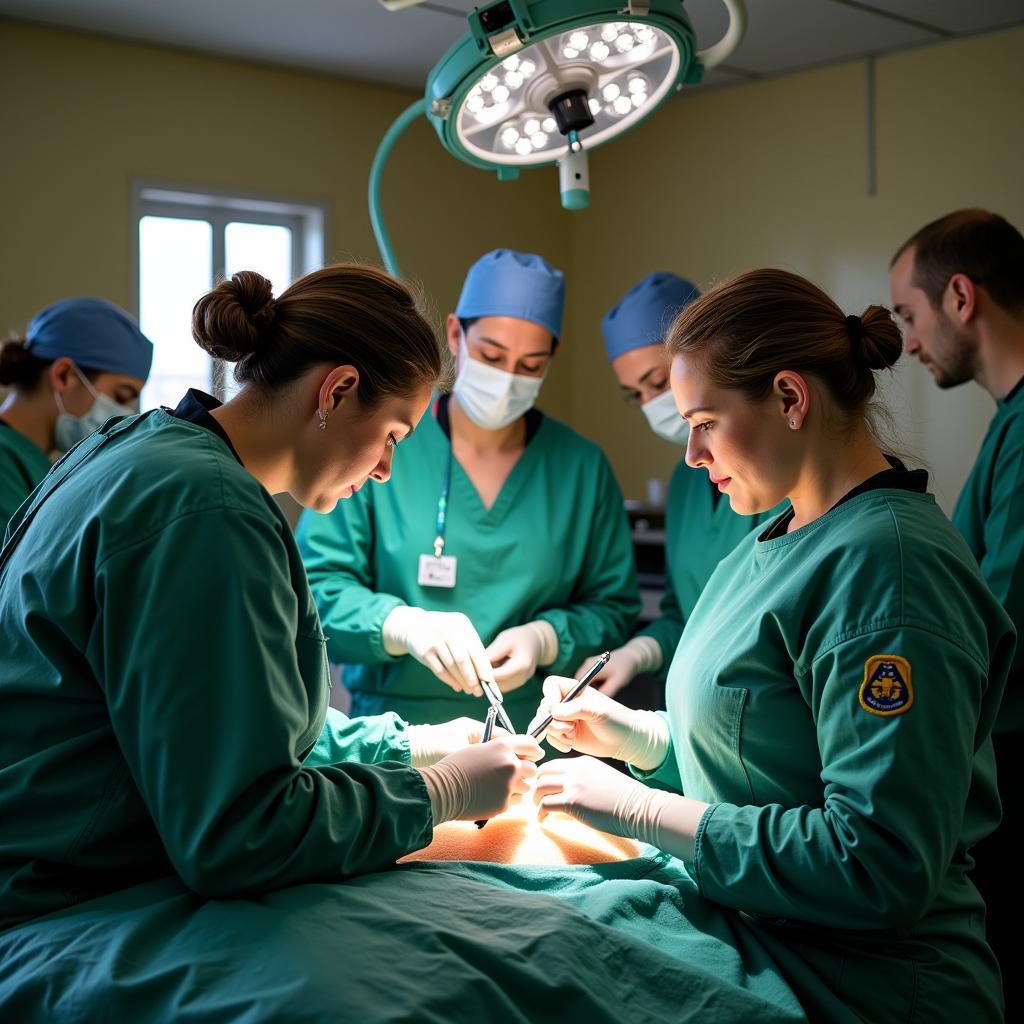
x,y
380,232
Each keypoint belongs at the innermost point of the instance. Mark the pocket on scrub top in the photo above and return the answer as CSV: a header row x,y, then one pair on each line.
x,y
716,726
311,657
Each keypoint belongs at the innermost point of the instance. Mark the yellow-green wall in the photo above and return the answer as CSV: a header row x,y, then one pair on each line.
x,y
766,173
772,173
82,116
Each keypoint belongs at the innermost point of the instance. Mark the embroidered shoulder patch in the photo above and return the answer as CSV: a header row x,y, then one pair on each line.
x,y
886,689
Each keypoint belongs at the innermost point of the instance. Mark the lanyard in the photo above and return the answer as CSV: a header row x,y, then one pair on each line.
x,y
442,506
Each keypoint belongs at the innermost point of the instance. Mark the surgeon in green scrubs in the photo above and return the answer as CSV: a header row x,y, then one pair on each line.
x,y
163,676
700,526
825,763
958,286
502,548
81,362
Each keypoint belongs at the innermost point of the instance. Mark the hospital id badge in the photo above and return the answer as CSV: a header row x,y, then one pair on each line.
x,y
437,572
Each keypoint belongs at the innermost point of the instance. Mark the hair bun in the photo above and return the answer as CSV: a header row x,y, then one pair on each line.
x,y
875,338
235,319
15,361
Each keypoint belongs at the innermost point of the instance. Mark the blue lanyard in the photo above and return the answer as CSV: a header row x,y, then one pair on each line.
x,y
442,507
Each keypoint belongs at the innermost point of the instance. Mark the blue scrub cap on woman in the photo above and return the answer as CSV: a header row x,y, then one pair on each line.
x,y
645,313
94,333
519,284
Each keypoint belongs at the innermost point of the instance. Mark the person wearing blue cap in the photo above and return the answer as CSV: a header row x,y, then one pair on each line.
x,y
504,552
701,529
81,362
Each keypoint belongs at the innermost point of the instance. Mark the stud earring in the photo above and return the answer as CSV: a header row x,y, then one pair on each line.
x,y
792,423
323,414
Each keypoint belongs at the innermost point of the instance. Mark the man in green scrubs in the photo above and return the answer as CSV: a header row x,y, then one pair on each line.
x,y
81,362
958,285
700,526
503,527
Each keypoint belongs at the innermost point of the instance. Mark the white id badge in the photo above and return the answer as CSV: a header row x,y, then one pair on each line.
x,y
437,572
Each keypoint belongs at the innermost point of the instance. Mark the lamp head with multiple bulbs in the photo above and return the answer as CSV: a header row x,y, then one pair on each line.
x,y
543,81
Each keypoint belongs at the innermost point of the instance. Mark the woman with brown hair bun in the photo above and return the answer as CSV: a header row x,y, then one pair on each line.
x,y
825,763
163,677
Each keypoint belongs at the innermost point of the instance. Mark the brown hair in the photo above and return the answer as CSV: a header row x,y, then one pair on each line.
x,y
982,245
23,371
346,313
749,328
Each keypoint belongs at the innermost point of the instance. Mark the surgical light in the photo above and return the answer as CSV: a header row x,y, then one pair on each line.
x,y
539,82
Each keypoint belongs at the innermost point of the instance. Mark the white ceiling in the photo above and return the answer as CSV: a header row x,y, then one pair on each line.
x,y
359,39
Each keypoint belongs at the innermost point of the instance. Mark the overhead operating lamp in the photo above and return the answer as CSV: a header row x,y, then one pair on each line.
x,y
539,82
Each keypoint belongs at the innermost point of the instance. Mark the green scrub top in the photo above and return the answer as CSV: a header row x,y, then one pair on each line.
x,y
990,515
832,699
700,530
555,546
22,466
164,690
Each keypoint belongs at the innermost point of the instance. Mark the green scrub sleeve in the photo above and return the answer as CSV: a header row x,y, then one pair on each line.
x,y
666,775
667,629
14,488
894,790
196,648
1002,565
338,552
605,602
368,739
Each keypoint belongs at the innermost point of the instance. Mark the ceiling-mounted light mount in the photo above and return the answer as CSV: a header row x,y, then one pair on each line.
x,y
538,82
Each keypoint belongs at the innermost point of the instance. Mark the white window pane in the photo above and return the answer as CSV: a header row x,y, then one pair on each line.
x,y
175,269
265,248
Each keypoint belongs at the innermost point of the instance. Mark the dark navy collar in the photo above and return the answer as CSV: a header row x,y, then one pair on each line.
x,y
898,477
196,407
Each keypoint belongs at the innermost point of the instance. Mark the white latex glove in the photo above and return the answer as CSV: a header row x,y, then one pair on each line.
x,y
594,792
482,780
445,642
516,653
641,654
429,743
595,724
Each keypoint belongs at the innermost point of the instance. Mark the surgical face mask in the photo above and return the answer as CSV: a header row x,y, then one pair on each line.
x,y
664,418
490,397
71,429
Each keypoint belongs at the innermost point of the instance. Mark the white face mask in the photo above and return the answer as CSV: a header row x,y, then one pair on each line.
x,y
72,429
664,418
490,397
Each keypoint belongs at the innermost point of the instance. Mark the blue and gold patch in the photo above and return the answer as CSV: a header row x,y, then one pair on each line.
x,y
886,689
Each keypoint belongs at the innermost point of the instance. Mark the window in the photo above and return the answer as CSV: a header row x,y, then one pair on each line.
x,y
185,242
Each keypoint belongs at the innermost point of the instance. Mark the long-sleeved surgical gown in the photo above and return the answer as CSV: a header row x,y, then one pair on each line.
x,y
832,699
163,679
22,466
554,546
990,515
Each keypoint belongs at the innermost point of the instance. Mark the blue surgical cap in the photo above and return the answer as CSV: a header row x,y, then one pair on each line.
x,y
519,284
94,333
645,313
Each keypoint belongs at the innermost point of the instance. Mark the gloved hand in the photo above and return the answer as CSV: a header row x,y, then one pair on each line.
x,y
595,793
517,652
641,654
445,642
429,743
596,724
482,780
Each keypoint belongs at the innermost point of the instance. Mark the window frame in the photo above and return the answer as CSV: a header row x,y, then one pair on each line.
x,y
307,220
